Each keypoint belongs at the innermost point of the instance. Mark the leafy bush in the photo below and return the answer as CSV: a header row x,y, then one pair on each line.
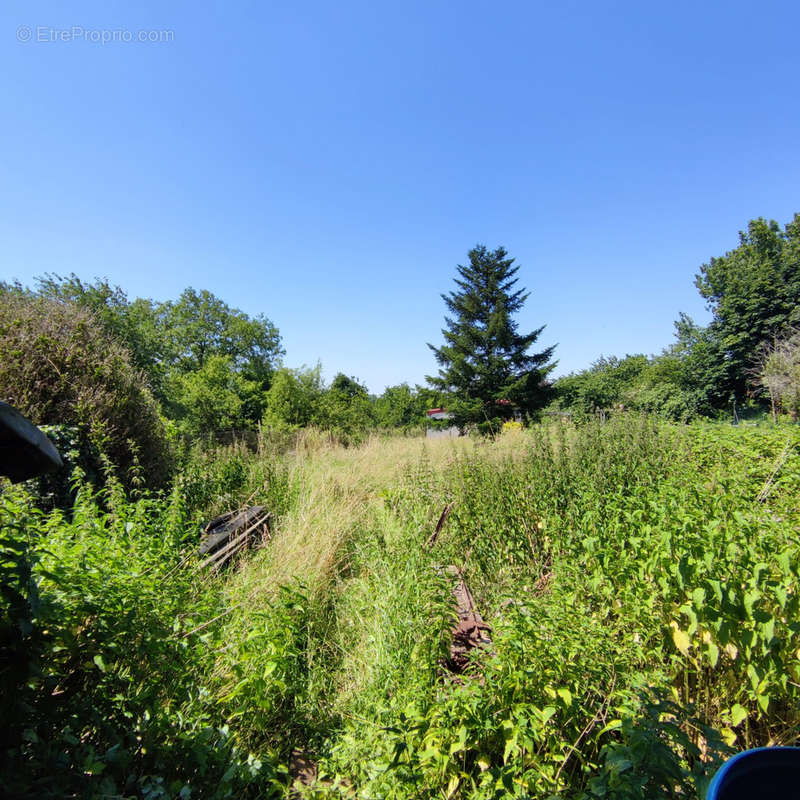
x,y
59,367
292,397
105,661
601,386
345,410
217,480
214,397
657,386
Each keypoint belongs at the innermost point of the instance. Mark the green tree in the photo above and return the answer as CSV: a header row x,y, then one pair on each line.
x,y
655,385
402,407
754,294
169,339
485,366
345,409
169,342
214,397
661,389
201,325
697,364
134,324
601,386
293,397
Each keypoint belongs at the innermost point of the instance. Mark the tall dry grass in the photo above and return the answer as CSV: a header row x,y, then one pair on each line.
x,y
339,491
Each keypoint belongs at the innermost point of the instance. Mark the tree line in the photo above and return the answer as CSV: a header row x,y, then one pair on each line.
x,y
747,358
135,376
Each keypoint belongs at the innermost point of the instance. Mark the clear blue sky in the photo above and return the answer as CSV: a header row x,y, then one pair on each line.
x,y
329,164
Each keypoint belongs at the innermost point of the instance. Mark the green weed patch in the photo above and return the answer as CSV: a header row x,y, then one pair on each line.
x,y
640,579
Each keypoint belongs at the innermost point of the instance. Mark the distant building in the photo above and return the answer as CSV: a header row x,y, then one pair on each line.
x,y
516,411
438,432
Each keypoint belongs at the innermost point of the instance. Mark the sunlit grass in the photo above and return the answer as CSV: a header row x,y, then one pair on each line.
x,y
598,554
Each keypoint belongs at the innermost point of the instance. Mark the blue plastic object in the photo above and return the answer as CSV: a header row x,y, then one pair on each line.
x,y
764,773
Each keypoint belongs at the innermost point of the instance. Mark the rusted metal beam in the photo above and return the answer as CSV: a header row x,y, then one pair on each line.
x,y
470,631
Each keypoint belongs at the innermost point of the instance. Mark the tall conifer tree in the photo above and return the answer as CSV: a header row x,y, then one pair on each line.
x,y
485,365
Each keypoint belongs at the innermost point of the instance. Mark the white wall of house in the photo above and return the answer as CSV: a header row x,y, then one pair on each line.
x,y
442,433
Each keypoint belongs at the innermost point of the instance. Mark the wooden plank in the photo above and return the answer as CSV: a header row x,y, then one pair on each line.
x,y
440,524
224,553
222,560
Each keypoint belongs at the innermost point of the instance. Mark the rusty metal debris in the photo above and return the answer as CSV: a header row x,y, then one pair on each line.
x,y
543,583
470,631
304,772
226,535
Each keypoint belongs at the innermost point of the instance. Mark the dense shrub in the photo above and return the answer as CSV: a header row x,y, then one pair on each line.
x,y
59,366
214,397
104,656
779,373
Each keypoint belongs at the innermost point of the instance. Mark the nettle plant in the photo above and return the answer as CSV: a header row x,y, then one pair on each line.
x,y
641,581
103,665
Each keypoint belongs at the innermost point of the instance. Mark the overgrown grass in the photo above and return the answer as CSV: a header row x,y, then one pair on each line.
x,y
640,580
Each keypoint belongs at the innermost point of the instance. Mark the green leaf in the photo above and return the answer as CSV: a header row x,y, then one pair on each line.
x,y
452,786
461,741
429,754
728,736
769,630
565,695
614,725
758,569
716,587
752,673
511,746
750,599
546,713
699,597
681,640
93,767
738,713
98,660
